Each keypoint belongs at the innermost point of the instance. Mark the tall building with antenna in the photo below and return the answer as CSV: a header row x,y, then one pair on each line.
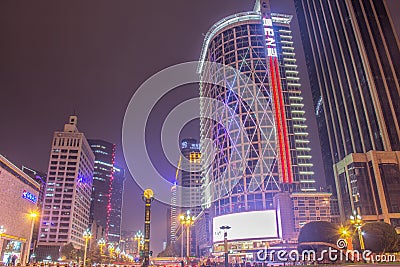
x,y
66,206
256,121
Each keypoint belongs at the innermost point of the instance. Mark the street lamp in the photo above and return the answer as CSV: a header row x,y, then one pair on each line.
x,y
188,221
225,228
86,235
111,250
117,252
101,243
139,238
148,197
357,222
32,215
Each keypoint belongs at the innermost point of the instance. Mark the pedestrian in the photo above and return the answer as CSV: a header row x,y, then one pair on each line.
x,y
13,260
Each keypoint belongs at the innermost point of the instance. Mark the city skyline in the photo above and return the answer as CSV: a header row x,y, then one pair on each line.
x,y
38,67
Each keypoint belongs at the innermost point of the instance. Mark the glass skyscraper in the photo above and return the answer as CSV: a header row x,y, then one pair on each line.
x,y
102,177
116,201
353,60
108,185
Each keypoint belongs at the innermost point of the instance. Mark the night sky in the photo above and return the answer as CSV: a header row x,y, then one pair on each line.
x,y
88,57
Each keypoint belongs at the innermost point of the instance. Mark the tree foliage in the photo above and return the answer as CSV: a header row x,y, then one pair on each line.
x,y
94,255
319,231
172,250
379,237
69,252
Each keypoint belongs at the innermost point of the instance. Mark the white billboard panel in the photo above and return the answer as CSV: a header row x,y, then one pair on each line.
x,y
246,225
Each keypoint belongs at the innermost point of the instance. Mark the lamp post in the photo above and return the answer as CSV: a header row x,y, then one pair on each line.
x,y
225,228
357,222
86,235
139,239
32,215
117,253
111,250
147,198
188,221
101,243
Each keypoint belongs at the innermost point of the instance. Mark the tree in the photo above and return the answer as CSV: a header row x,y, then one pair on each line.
x,y
314,233
319,231
379,237
69,252
172,250
95,255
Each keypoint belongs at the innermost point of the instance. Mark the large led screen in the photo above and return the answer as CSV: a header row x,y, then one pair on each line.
x,y
246,225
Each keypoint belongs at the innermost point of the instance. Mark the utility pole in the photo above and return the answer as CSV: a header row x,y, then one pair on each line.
x,y
225,228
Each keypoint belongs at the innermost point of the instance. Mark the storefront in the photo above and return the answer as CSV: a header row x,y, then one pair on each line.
x,y
12,251
18,205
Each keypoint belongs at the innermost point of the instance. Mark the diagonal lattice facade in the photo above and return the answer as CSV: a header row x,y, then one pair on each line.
x,y
242,144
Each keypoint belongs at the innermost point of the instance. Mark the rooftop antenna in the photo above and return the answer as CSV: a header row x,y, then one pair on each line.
x,y
257,6
265,7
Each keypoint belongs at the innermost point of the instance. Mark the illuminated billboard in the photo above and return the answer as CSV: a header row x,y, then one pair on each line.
x,y
246,225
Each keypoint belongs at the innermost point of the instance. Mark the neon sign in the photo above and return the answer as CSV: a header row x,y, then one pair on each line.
x,y
279,105
29,196
269,38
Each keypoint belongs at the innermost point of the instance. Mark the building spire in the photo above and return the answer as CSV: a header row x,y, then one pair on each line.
x,y
256,6
263,6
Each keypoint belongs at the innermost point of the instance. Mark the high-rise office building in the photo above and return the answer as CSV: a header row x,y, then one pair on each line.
x,y
257,125
104,153
190,177
108,186
116,197
258,166
186,192
262,138
353,58
66,207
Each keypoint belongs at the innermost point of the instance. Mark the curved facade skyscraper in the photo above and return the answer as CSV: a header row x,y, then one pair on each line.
x,y
254,139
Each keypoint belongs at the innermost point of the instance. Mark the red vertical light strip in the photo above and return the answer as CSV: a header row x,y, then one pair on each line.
x,y
278,119
283,139
283,116
110,193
